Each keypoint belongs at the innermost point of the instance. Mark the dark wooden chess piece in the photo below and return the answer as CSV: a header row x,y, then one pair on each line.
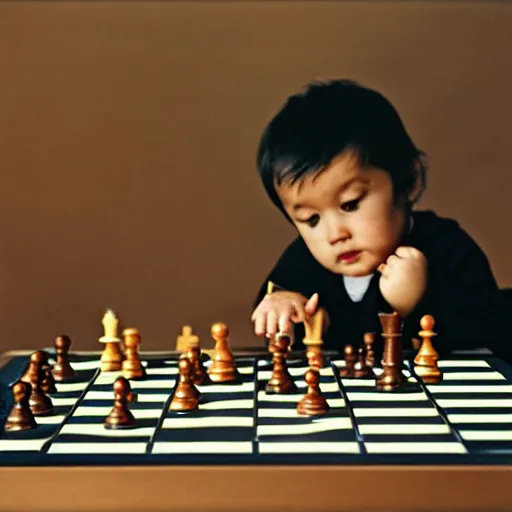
x,y
120,416
313,403
281,381
131,366
48,385
369,343
186,396
361,371
425,362
199,375
392,358
350,359
40,403
223,367
62,369
20,416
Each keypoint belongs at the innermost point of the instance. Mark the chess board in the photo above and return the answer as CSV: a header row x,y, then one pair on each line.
x,y
464,422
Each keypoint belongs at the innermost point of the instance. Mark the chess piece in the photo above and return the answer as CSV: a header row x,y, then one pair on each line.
x,y
350,359
186,396
20,416
186,339
40,403
120,417
112,357
392,358
62,369
223,367
313,403
369,343
199,375
35,362
132,366
48,383
360,369
426,359
281,381
313,339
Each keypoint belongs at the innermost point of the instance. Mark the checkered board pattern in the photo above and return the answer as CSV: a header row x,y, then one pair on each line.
x,y
465,417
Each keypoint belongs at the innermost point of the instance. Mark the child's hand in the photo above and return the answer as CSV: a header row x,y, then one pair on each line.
x,y
276,312
404,279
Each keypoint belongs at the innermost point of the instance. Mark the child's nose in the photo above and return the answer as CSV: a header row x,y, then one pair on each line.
x,y
337,232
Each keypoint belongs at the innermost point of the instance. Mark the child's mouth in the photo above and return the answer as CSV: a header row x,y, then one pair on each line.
x,y
349,257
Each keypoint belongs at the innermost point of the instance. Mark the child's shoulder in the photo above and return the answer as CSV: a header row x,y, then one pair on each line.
x,y
432,233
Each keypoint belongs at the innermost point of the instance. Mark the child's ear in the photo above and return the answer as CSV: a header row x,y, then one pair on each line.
x,y
417,181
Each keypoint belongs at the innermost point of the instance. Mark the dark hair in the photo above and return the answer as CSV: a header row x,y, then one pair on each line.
x,y
328,119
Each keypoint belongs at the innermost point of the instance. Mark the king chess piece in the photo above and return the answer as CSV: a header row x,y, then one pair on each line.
x,y
425,362
392,359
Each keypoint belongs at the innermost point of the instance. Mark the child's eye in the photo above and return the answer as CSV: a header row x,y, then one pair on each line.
x,y
351,206
311,221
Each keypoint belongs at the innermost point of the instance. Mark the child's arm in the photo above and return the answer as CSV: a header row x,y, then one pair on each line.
x,y
462,295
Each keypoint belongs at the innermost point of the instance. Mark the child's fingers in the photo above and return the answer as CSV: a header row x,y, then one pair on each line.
x,y
383,268
260,323
285,325
311,304
271,328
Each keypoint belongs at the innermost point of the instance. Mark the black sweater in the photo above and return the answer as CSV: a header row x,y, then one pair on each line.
x,y
462,294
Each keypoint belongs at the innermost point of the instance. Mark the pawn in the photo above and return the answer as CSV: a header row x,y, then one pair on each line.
x,y
369,341
223,367
186,396
62,370
48,383
281,381
20,416
313,403
40,403
425,362
199,375
132,366
350,359
36,361
360,369
120,416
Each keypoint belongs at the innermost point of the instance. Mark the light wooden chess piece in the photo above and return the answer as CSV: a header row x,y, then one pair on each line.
x,y
112,357
313,403
20,416
425,362
392,358
313,339
186,339
223,367
132,366
186,396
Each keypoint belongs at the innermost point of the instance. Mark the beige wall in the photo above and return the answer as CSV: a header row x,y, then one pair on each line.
x,y
128,132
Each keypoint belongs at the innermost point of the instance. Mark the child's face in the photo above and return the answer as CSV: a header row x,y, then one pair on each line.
x,y
347,215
